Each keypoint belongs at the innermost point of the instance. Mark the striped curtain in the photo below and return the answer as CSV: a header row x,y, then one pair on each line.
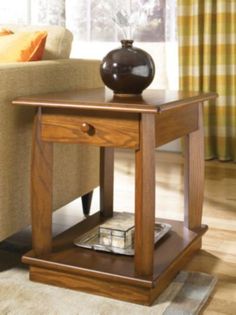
x,y
207,54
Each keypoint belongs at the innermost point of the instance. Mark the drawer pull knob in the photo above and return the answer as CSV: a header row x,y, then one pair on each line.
x,y
87,128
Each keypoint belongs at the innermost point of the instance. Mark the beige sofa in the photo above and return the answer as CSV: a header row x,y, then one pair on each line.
x,y
76,167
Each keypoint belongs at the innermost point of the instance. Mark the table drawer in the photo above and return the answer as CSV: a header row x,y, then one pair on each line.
x,y
98,128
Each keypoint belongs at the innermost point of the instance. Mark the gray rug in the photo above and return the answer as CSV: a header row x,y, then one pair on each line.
x,y
19,296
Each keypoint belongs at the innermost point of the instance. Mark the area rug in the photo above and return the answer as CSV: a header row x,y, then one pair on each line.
x,y
19,296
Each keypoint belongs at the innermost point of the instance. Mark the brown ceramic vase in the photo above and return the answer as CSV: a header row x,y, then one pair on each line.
x,y
127,70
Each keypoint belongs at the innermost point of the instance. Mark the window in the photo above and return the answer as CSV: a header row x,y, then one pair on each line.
x,y
96,33
15,12
94,20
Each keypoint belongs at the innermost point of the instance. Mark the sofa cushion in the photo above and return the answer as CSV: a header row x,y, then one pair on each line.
x,y
58,43
22,46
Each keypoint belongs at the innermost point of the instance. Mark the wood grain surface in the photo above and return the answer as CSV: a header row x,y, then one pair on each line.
x,y
194,174
41,190
99,99
145,196
120,291
104,129
106,181
72,263
176,123
90,121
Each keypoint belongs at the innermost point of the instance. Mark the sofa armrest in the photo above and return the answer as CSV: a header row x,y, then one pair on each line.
x,y
27,78
75,166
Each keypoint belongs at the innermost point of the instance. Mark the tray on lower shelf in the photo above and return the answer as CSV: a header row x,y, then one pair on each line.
x,y
92,240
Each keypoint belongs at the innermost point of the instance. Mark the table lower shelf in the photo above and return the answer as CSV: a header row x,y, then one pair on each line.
x,y
109,274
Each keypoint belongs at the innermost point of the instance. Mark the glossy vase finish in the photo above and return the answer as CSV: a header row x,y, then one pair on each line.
x,y
127,70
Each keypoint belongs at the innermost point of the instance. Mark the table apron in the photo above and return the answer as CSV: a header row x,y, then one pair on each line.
x,y
115,129
176,123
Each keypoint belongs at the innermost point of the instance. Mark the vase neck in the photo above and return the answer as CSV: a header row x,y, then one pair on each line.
x,y
126,43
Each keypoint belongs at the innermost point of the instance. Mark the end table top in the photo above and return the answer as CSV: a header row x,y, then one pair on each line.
x,y
152,101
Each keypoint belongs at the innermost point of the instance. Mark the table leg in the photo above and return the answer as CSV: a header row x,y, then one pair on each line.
x,y
194,175
145,196
106,181
41,191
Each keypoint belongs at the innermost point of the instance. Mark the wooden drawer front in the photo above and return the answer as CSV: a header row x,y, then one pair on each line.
x,y
175,123
102,129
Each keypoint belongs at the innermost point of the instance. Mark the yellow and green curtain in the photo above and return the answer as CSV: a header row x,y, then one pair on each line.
x,y
207,55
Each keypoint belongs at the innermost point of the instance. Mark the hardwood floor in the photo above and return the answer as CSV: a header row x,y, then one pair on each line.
x,y
218,254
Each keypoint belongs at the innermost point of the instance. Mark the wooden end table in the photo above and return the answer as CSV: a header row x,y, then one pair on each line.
x,y
141,123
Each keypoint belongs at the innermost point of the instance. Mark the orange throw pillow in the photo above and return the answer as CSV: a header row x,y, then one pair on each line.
x,y
5,31
22,46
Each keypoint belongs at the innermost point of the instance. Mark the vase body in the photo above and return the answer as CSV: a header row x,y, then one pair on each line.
x,y
127,70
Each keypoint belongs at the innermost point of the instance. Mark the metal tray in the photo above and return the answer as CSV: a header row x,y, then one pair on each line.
x,y
91,240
